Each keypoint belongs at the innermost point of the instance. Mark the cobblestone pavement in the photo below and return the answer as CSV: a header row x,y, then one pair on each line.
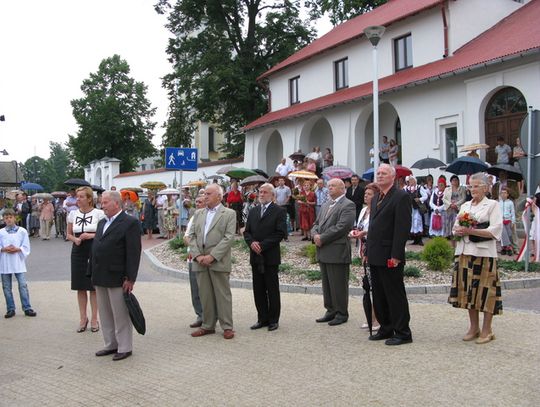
x,y
43,362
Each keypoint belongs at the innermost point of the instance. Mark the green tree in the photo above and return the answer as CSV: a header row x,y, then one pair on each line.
x,y
61,166
219,49
340,10
36,170
114,117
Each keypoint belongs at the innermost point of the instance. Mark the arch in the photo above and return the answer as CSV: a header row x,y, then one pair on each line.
x,y
274,152
316,132
98,177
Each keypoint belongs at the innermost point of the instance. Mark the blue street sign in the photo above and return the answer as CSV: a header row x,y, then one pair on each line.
x,y
181,158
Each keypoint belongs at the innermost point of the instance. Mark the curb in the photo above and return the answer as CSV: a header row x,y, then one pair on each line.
x,y
354,291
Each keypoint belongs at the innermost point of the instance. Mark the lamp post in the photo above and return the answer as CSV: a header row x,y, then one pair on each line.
x,y
374,34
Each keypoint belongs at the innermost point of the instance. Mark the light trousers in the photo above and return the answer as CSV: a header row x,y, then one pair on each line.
x,y
115,322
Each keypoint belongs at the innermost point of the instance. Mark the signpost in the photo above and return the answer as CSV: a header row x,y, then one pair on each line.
x,y
181,159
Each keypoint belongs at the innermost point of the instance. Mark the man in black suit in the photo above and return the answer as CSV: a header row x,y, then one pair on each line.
x,y
389,226
116,252
355,193
266,226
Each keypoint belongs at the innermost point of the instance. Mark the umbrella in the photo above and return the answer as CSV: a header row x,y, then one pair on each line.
x,y
132,195
13,193
473,147
77,182
303,174
466,165
253,180
197,183
135,313
134,189
153,185
368,174
43,195
31,186
261,172
428,162
338,171
59,194
513,172
214,177
288,182
401,171
240,173
97,188
298,156
313,156
226,169
169,191
366,300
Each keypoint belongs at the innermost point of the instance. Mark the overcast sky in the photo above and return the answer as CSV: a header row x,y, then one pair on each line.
x,y
47,48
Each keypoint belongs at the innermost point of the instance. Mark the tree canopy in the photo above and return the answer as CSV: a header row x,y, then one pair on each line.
x,y
341,10
114,117
219,49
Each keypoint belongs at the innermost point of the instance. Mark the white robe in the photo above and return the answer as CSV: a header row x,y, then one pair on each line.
x,y
11,263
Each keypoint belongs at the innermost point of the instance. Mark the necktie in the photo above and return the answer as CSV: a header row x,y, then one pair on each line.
x,y
263,208
381,197
330,207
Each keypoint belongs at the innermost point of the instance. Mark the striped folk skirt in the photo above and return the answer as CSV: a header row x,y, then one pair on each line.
x,y
476,284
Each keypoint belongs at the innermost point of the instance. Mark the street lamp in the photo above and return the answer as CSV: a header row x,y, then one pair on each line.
x,y
4,152
374,34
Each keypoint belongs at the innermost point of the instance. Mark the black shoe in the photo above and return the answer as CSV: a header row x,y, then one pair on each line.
x,y
326,318
379,336
9,314
105,352
305,239
29,313
337,321
259,325
120,356
397,341
273,326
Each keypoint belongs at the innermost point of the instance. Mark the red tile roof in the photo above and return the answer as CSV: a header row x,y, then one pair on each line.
x,y
388,13
515,35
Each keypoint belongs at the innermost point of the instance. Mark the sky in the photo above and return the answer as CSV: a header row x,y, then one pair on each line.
x,y
47,49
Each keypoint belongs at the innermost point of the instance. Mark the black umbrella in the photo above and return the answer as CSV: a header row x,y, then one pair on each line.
x,y
135,313
513,172
77,182
297,156
428,162
467,165
366,300
261,172
97,188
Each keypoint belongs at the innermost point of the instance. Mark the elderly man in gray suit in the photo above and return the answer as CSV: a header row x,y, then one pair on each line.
x,y
330,234
210,241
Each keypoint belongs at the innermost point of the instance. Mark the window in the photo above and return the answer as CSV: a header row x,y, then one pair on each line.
x,y
341,73
450,142
143,167
403,52
211,146
293,90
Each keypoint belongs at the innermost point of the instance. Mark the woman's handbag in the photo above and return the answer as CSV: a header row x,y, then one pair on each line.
x,y
422,208
436,221
476,239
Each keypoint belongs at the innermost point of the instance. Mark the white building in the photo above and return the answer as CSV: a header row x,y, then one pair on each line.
x,y
451,73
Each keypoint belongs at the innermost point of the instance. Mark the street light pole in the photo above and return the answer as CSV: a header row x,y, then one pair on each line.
x,y
374,34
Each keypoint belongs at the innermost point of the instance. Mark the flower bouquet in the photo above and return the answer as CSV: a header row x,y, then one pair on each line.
x,y
466,220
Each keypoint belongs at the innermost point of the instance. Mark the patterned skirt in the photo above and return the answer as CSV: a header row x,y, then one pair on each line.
x,y
476,284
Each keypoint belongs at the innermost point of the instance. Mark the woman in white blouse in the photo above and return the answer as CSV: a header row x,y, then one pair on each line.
x,y
81,229
475,283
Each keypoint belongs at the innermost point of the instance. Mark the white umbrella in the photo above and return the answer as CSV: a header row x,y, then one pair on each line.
x,y
169,191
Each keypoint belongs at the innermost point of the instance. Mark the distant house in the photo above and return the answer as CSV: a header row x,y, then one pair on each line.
x,y
451,73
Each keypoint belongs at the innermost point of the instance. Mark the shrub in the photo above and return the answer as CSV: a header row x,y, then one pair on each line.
x,y
285,267
511,265
283,249
310,251
412,271
241,244
413,256
438,254
356,261
313,275
177,243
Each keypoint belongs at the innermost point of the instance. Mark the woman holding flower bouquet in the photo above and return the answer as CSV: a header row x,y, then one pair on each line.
x,y
306,209
475,282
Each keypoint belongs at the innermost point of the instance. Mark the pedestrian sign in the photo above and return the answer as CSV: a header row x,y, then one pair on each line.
x,y
181,158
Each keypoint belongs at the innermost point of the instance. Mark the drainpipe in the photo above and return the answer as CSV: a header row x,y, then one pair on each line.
x,y
445,27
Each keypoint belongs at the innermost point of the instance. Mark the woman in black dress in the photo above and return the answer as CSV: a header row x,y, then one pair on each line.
x,y
81,228
149,221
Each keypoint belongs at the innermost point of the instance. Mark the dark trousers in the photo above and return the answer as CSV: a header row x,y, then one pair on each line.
x,y
390,301
335,285
266,294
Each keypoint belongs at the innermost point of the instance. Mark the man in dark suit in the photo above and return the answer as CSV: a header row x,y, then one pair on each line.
x,y
266,226
389,226
116,252
355,193
330,234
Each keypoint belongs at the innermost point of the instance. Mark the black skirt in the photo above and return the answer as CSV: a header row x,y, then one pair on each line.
x,y
80,256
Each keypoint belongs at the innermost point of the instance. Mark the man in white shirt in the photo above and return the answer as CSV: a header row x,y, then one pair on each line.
x,y
283,193
283,168
161,200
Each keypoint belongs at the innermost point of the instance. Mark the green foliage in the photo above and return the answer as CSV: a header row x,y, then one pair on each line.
x,y
413,255
510,265
285,267
241,244
356,261
310,251
412,271
114,117
311,275
283,249
177,243
438,254
341,10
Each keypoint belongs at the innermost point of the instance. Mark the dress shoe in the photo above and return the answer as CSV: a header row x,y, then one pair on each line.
x,y
228,334
196,324
202,332
483,340
82,328
273,326
94,328
337,321
471,337
30,313
379,336
326,318
259,325
9,314
394,341
120,356
105,352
